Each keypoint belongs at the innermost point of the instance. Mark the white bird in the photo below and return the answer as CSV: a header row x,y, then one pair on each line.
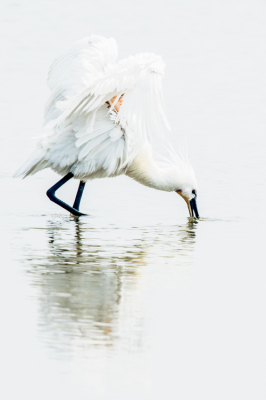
x,y
100,120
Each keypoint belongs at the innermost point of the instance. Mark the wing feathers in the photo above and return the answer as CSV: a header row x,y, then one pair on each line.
x,y
82,80
139,79
75,70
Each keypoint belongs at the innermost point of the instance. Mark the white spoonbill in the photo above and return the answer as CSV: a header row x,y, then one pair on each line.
x,y
100,119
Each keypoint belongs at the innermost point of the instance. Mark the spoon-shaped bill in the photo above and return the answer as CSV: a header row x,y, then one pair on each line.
x,y
192,204
194,208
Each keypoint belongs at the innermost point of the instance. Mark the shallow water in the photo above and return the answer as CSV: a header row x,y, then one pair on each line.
x,y
135,301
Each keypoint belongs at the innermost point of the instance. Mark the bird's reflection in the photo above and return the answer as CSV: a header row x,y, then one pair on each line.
x,y
87,281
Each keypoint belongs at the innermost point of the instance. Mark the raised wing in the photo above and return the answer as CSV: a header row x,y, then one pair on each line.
x,y
77,69
81,133
139,80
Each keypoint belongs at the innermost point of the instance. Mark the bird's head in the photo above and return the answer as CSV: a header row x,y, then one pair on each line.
x,y
185,180
190,197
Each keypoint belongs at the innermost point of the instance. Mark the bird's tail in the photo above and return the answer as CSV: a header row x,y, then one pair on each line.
x,y
34,164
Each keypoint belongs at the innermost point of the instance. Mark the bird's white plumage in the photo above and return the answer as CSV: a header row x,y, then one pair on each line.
x,y
84,135
139,80
76,70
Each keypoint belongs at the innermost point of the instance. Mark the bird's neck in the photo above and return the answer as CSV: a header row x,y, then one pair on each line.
x,y
145,170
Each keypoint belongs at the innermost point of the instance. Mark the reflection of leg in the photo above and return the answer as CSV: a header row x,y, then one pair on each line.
x,y
78,242
51,194
79,195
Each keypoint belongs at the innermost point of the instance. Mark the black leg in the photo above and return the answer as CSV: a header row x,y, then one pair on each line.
x,y
79,195
51,194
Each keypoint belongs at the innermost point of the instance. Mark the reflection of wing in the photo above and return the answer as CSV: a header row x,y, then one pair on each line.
x,y
139,80
76,69
88,280
80,279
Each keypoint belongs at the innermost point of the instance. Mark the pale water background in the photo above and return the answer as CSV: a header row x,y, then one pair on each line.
x,y
135,302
